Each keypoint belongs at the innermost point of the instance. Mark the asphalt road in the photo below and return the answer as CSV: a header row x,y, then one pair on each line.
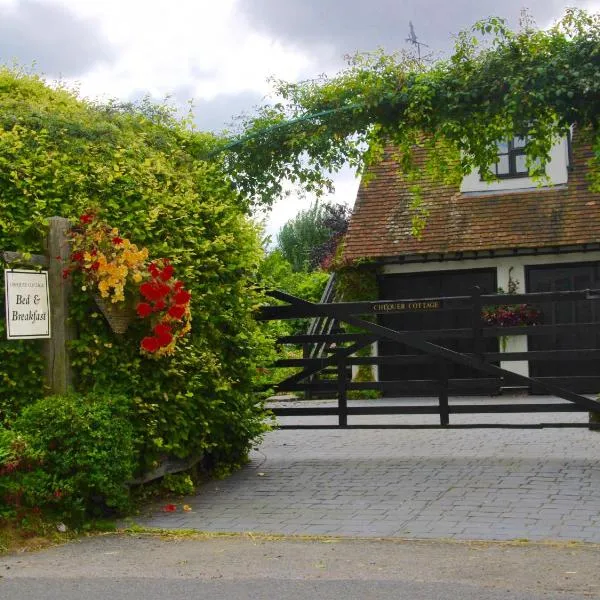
x,y
246,567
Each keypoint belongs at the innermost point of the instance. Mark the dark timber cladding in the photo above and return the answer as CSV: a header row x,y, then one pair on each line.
x,y
570,276
341,347
426,285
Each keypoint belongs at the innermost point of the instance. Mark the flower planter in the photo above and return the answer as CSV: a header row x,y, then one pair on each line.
x,y
118,314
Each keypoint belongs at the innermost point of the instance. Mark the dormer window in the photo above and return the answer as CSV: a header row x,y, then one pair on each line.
x,y
511,171
511,159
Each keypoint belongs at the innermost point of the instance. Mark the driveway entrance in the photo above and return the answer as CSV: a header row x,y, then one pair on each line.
x,y
420,483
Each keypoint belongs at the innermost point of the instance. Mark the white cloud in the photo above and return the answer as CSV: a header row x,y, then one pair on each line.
x,y
164,46
285,209
221,52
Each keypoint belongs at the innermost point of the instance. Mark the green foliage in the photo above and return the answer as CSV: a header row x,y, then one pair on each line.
x,y
140,169
17,458
180,484
278,273
496,85
74,456
358,283
298,238
21,371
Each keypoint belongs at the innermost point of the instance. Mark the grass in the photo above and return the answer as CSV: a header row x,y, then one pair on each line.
x,y
32,533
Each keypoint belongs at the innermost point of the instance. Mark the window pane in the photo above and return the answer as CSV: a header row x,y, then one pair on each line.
x,y
519,142
502,165
502,147
520,163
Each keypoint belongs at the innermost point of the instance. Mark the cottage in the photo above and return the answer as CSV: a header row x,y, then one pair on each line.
x,y
510,234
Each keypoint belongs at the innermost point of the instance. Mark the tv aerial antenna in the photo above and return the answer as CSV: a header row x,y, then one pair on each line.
x,y
412,39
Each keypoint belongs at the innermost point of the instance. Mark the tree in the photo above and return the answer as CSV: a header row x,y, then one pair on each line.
x,y
496,85
312,235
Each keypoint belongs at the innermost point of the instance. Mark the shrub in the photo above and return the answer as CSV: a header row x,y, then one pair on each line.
x,y
180,484
17,459
144,173
87,446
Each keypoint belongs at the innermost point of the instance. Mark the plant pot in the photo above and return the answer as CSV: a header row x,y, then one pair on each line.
x,y
118,314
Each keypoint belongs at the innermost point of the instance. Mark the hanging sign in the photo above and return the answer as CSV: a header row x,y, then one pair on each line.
x,y
27,304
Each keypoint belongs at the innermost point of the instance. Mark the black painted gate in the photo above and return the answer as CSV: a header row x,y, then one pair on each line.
x,y
339,348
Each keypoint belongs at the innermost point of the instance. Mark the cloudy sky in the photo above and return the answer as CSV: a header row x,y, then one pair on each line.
x,y
221,53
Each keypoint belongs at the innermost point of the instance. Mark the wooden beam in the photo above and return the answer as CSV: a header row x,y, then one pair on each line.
x,y
20,259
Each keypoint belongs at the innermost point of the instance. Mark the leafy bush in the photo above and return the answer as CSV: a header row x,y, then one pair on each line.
x,y
180,484
86,445
17,458
143,172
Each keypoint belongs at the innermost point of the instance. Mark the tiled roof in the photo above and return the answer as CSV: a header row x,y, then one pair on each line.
x,y
539,218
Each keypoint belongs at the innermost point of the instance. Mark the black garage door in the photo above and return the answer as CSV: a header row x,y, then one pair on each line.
x,y
430,285
572,276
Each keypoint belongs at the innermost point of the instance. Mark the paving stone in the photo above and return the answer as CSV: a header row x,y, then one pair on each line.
x,y
463,484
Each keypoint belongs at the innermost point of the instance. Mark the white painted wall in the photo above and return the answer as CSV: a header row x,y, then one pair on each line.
x,y
503,266
503,262
556,171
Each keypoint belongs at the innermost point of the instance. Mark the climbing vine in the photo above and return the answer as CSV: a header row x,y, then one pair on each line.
x,y
497,84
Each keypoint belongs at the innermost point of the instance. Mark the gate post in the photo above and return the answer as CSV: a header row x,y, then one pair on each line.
x,y
478,348
306,354
342,374
443,395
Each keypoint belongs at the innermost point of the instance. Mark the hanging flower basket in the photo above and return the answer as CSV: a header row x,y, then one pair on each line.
x,y
123,284
118,314
514,315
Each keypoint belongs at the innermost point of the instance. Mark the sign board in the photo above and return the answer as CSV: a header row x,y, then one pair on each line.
x,y
27,304
410,306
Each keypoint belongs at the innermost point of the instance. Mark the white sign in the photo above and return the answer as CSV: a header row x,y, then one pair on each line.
x,y
27,304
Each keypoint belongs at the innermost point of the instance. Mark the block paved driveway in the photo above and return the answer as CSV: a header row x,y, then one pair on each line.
x,y
489,484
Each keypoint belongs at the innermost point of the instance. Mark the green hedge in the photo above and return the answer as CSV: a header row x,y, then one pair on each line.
x,y
142,170
84,456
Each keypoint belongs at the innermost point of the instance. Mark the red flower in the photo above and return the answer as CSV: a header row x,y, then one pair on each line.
x,y
66,273
57,494
148,290
87,218
163,334
176,312
143,309
167,273
117,240
77,256
169,508
165,339
154,270
162,329
159,305
150,344
182,297
152,290
95,266
177,285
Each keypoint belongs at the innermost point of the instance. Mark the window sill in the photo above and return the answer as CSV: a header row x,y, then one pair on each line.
x,y
523,190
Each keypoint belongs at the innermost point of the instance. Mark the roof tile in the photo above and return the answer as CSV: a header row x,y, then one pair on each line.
x,y
537,218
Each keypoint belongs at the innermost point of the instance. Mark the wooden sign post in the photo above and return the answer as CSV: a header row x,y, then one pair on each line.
x,y
58,372
58,366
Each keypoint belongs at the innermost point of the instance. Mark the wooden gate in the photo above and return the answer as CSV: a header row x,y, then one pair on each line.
x,y
338,351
